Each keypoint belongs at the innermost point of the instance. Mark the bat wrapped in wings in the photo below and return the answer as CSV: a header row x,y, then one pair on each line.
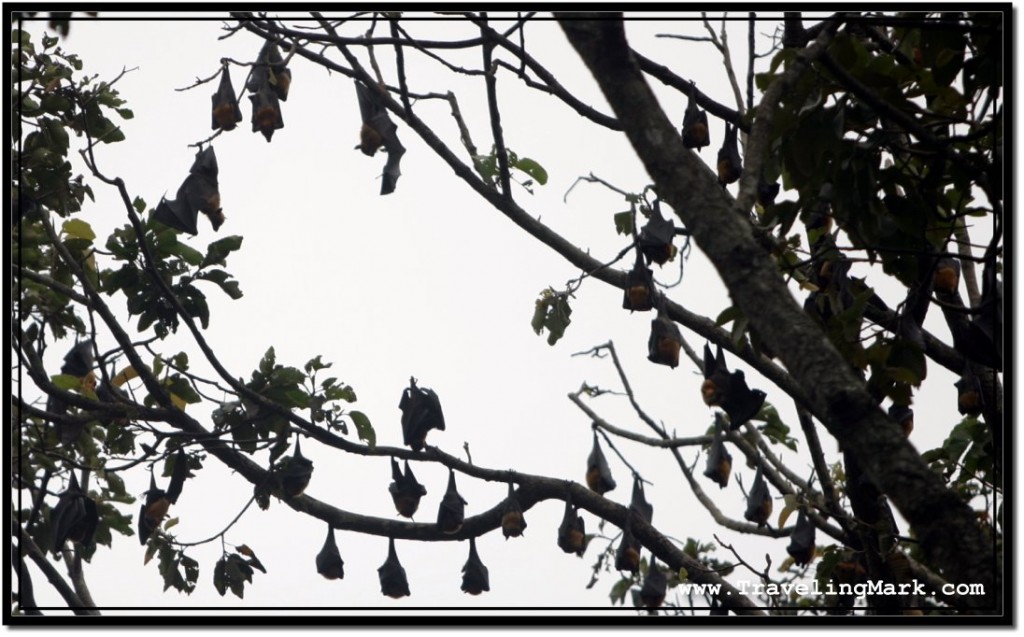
x,y
378,131
226,113
74,518
328,560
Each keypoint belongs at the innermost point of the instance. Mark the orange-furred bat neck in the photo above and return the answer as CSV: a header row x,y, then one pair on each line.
x,y
369,140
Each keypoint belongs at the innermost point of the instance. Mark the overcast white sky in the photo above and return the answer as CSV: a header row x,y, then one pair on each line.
x,y
431,282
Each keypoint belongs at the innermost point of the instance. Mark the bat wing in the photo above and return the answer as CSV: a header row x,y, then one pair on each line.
x,y
178,476
369,105
392,168
205,164
740,401
78,361
177,214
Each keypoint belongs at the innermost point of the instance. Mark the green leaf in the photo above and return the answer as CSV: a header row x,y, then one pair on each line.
x,y
220,576
728,315
624,222
363,428
218,251
67,382
188,253
267,364
619,590
78,229
533,169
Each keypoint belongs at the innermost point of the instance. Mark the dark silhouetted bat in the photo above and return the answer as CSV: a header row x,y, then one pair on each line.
x,y
729,390
947,275
639,292
77,362
328,560
627,555
79,359
198,193
266,112
452,511
729,165
904,416
695,123
665,341
801,542
475,579
985,341
599,476
970,400
655,239
512,521
226,113
379,131
153,510
759,501
421,412
74,517
295,473
274,72
654,587
405,490
393,582
719,464
638,502
767,192
572,536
